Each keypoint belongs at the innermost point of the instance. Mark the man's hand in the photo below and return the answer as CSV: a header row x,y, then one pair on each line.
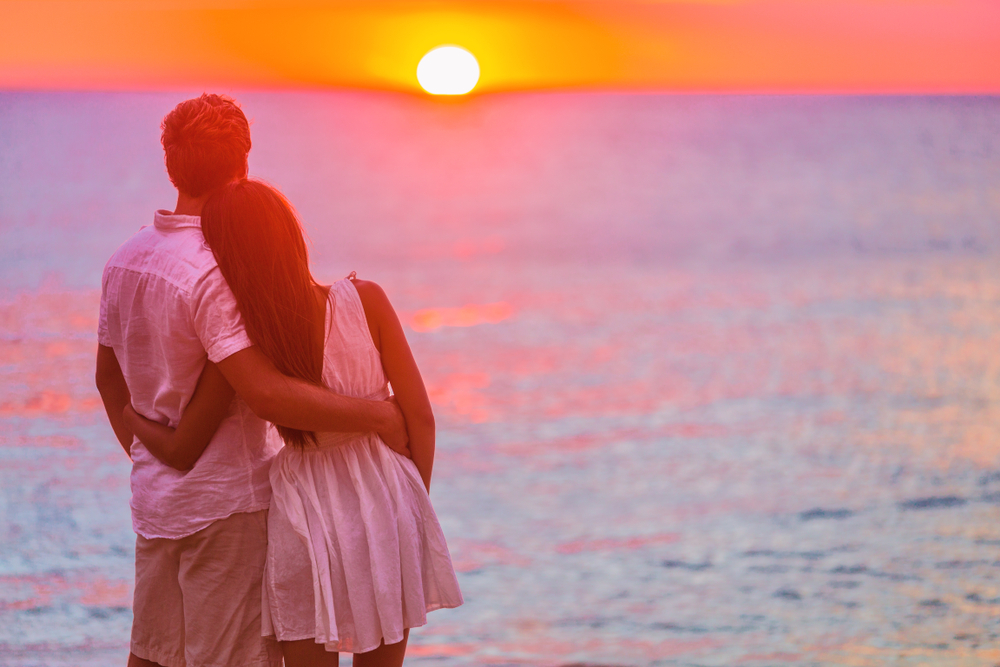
x,y
394,434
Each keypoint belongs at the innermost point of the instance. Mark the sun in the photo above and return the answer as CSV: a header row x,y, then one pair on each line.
x,y
448,70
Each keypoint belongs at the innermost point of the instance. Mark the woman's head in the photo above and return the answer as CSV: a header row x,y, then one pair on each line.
x,y
258,242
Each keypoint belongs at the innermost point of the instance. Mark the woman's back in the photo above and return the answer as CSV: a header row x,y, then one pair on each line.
x,y
351,364
355,552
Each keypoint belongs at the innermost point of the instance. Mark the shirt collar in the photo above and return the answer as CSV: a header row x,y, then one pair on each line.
x,y
166,220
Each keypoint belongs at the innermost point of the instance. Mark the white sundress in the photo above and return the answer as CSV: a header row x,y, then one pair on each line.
x,y
355,553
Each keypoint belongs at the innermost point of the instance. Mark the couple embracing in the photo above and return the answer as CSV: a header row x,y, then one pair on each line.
x,y
257,544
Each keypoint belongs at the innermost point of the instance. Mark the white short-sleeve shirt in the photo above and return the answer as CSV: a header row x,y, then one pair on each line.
x,y
165,309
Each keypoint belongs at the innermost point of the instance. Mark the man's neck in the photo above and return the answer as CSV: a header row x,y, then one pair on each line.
x,y
189,205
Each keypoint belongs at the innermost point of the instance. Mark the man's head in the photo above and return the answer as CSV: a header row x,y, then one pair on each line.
x,y
206,141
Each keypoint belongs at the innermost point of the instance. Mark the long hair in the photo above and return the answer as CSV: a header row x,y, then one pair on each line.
x,y
257,240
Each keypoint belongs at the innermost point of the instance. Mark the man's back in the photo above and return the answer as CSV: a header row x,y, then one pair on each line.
x,y
164,308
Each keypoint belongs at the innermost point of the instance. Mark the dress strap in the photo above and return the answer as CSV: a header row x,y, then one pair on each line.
x,y
353,275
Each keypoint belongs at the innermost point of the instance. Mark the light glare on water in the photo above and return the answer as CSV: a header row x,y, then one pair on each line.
x,y
716,379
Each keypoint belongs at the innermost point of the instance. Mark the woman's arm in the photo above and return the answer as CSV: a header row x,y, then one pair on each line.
x,y
403,374
180,448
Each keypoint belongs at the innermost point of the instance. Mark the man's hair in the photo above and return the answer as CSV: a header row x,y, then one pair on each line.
x,y
206,141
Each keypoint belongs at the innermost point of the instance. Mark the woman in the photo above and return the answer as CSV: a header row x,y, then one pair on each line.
x,y
355,553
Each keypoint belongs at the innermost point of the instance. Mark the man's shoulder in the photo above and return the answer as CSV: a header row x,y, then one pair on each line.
x,y
139,239
180,256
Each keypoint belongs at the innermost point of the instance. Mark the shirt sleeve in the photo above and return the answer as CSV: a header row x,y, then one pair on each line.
x,y
103,335
217,319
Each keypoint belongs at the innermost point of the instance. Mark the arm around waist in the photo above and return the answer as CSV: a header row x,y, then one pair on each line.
x,y
299,404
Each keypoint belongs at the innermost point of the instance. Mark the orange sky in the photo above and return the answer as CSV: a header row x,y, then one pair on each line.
x,y
678,45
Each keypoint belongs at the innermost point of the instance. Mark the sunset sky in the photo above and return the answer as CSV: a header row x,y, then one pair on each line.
x,y
882,46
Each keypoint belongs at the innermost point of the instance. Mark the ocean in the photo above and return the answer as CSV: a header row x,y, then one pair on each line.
x,y
716,378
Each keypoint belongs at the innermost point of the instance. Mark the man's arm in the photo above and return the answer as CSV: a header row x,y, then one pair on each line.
x,y
296,403
114,393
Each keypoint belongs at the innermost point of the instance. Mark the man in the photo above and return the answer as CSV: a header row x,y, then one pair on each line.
x,y
165,308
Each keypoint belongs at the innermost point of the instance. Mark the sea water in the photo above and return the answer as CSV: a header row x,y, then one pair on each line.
x,y
717,379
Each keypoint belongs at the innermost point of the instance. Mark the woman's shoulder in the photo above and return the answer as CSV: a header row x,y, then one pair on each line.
x,y
371,293
375,306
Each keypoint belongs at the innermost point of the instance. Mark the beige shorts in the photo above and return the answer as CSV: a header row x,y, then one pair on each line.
x,y
197,599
